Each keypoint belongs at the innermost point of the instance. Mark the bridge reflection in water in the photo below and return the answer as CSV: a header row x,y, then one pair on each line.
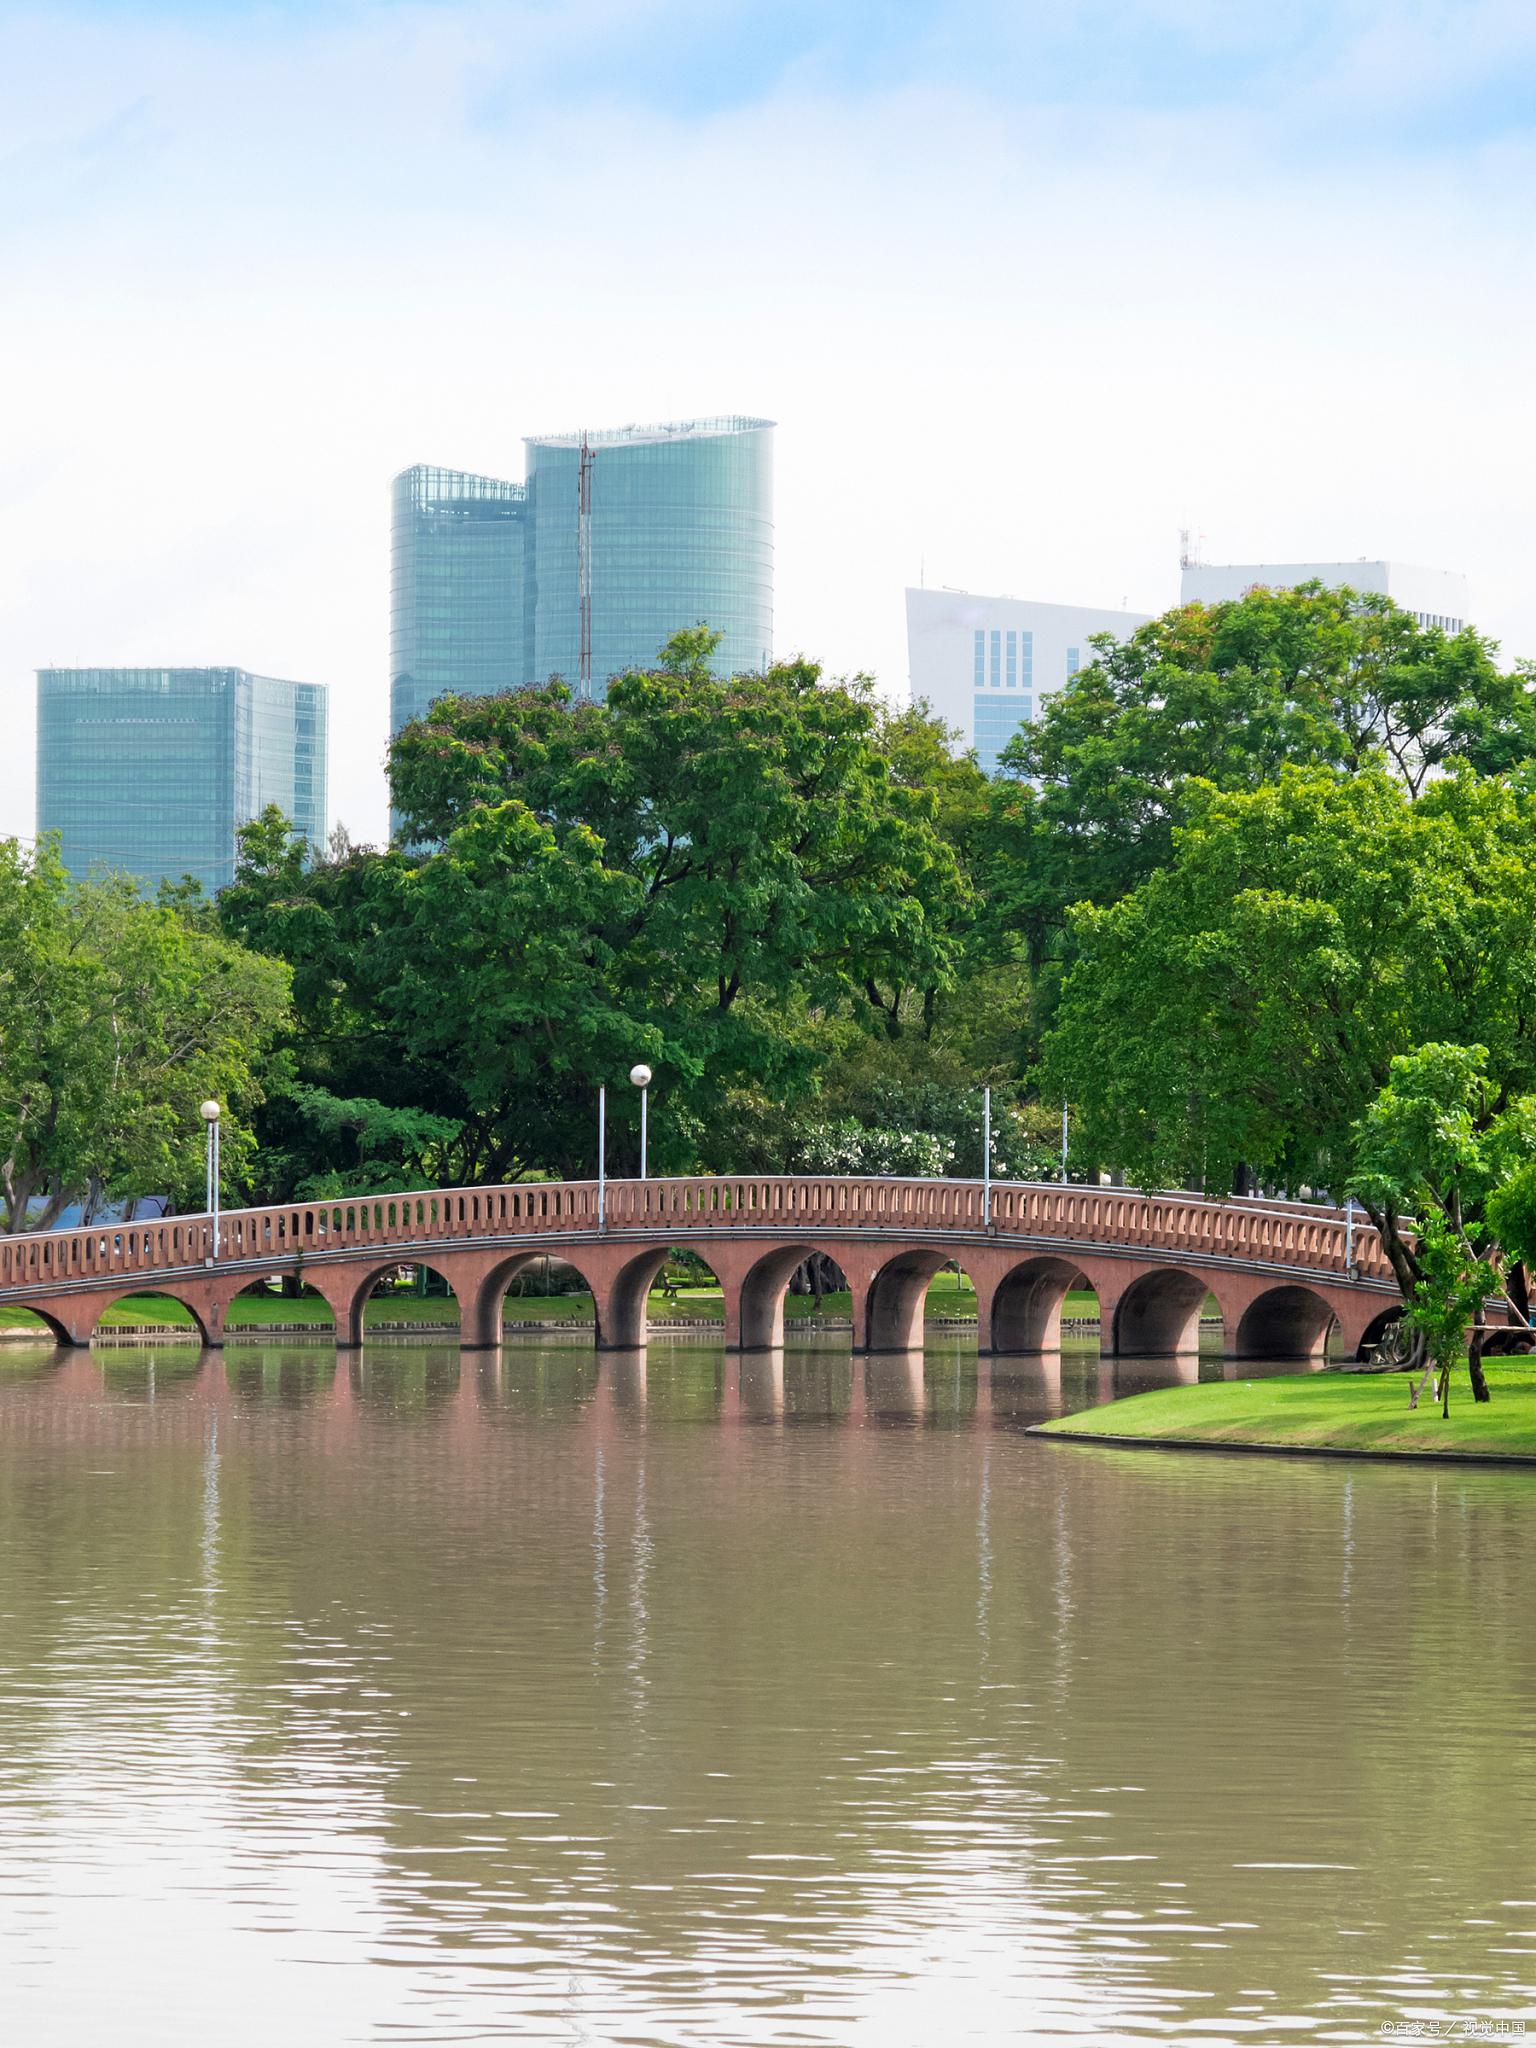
x,y
948,1386
1284,1276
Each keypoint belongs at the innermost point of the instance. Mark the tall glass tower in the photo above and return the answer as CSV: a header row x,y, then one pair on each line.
x,y
457,616
681,534
486,582
151,771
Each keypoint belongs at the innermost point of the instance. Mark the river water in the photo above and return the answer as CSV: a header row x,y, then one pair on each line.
x,y
524,1697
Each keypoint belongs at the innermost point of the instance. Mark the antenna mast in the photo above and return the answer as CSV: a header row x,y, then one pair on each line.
x,y
584,560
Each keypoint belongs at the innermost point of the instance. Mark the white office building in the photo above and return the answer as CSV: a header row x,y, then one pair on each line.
x,y
983,664
1436,597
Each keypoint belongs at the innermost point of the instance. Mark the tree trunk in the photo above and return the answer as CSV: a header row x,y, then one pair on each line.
x,y
1475,1368
1520,1289
1403,1263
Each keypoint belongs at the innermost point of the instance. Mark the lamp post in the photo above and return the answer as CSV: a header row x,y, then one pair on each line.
x,y
602,1156
986,1158
210,1116
641,1076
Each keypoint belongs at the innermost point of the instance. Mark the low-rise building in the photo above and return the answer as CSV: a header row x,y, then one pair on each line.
x,y
985,664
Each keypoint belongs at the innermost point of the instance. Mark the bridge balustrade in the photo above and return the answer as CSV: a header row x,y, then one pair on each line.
x,y
1284,1234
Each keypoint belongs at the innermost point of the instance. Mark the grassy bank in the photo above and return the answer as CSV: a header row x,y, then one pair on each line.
x,y
1332,1411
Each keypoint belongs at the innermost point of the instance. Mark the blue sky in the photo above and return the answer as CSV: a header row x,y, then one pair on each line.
x,y
1027,287
1447,72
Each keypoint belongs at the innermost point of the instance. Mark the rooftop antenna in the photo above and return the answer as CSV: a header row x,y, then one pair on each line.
x,y
584,560
1190,544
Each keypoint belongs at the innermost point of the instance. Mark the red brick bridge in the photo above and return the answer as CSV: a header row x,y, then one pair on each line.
x,y
1284,1274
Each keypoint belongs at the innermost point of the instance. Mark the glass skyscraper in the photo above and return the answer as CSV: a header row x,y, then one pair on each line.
x,y
486,582
151,771
682,534
457,619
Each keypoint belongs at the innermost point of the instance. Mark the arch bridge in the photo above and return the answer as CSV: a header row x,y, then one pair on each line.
x,y
1284,1275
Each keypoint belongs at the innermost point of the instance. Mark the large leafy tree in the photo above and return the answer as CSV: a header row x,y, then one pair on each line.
x,y
1231,694
452,1008
118,1017
770,836
699,873
1239,1011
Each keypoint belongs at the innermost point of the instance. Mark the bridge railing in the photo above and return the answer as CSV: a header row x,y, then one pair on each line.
x,y
288,1233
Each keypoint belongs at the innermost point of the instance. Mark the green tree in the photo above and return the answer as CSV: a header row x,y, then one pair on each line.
x,y
117,1018
458,1005
1434,1146
1512,1219
1452,1284
771,841
316,1145
1239,1011
1231,694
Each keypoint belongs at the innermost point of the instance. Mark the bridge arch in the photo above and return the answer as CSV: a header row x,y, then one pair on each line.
x,y
100,1303
1158,1315
483,1318
349,1312
896,1298
1027,1304
623,1306
1290,1321
261,1290
759,1319
50,1327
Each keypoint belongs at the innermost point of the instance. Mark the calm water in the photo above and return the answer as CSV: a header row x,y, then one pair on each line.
x,y
530,1699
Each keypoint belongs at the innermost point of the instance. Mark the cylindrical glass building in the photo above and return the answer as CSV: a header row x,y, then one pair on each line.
x,y
681,534
457,620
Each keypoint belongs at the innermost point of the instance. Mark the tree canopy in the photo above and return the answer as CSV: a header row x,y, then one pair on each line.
x,y
1231,694
1441,1145
699,873
1240,1009
117,1019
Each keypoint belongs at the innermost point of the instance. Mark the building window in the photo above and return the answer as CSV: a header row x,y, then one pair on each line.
x,y
994,721
981,657
1074,660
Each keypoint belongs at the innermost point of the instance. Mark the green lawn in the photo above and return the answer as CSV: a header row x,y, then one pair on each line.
x,y
1326,1411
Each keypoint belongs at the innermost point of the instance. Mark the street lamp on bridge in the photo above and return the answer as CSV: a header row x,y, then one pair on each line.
x,y
641,1076
210,1116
